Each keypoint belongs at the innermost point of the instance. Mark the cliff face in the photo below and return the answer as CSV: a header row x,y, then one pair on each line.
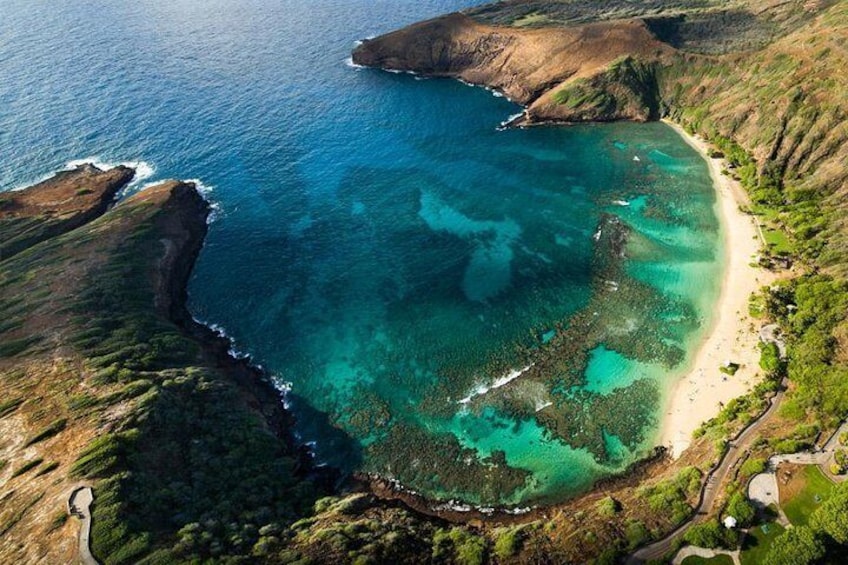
x,y
530,66
59,204
106,380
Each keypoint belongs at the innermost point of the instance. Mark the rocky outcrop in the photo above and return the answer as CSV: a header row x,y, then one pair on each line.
x,y
59,204
538,68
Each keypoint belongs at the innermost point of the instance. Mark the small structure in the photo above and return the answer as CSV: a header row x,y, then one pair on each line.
x,y
730,522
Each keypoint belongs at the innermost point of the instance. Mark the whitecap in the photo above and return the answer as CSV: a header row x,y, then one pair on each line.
x,y
143,171
205,192
510,120
349,63
621,202
498,383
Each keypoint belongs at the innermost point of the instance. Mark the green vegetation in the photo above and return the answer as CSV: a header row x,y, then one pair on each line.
x,y
508,542
608,507
840,461
812,309
816,490
753,466
636,534
28,466
54,428
47,469
460,546
15,347
831,517
729,368
670,497
740,508
711,535
770,359
822,535
796,546
58,520
758,542
9,406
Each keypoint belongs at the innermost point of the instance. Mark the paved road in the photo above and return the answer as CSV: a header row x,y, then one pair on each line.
x,y
79,505
711,487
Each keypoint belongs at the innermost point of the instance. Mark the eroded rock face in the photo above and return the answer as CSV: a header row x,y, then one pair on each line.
x,y
59,204
530,66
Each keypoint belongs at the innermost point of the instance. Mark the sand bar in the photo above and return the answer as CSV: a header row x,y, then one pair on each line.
x,y
699,394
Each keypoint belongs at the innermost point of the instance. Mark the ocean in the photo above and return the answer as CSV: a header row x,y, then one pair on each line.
x,y
487,316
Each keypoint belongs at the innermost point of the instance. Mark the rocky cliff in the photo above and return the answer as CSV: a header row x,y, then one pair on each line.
x,y
533,67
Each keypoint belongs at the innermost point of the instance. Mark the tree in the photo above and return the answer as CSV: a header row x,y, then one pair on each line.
x,y
770,358
739,507
831,517
707,534
796,546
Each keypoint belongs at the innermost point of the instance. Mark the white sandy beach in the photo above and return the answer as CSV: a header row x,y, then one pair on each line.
x,y
699,395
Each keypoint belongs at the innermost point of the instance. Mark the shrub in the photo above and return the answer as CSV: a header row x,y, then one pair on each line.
x,y
28,466
753,466
707,534
460,546
770,358
608,507
636,534
669,497
740,508
9,406
508,542
48,432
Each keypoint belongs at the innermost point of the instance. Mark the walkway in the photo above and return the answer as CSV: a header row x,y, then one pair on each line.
x,y
763,492
690,550
736,452
79,505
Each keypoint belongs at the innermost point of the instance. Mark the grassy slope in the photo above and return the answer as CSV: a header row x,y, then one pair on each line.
x,y
116,393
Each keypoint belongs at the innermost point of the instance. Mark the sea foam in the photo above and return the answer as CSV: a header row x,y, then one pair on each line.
x,y
143,171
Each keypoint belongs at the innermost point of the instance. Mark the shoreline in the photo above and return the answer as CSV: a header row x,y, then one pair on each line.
x,y
703,389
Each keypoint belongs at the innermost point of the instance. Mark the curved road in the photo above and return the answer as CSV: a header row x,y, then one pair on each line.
x,y
710,489
79,505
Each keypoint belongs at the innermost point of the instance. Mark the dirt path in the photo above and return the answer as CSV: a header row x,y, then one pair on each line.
x,y
711,487
79,505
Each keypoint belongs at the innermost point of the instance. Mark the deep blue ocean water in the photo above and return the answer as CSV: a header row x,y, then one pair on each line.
x,y
411,270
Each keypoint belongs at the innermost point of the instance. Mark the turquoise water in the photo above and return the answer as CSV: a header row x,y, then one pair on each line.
x,y
486,315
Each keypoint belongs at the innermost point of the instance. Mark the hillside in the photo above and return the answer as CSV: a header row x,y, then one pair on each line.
x,y
112,384
106,380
